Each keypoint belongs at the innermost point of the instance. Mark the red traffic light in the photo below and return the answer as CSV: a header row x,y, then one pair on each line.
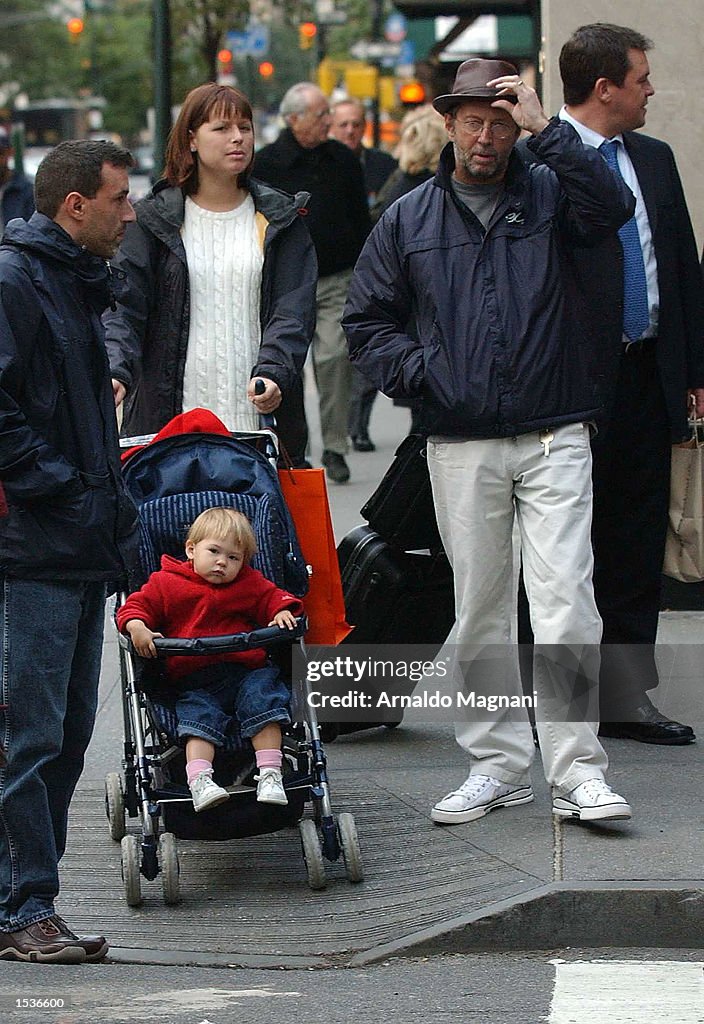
x,y
224,56
75,26
266,69
308,29
411,93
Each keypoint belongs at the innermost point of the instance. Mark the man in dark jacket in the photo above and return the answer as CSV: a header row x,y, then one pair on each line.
x,y
649,374
303,158
16,193
348,124
69,528
458,299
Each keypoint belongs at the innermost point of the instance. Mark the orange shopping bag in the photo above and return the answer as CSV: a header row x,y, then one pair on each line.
x,y
306,495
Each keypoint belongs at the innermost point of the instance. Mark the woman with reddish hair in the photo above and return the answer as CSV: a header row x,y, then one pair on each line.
x,y
222,276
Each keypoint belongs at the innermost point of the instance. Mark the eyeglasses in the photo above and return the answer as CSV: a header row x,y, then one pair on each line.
x,y
499,129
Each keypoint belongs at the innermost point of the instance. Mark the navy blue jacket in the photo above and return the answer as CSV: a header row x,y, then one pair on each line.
x,y
69,515
17,199
147,333
477,324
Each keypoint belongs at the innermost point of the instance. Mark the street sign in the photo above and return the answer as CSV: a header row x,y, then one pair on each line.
x,y
395,29
407,52
365,50
327,14
332,18
253,42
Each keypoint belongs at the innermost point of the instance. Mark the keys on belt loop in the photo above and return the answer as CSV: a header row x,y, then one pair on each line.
x,y
545,437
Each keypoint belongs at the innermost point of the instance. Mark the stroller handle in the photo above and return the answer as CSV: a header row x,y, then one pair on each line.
x,y
267,636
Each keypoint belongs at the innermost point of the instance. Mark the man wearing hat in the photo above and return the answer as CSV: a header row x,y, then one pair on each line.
x,y
458,300
16,194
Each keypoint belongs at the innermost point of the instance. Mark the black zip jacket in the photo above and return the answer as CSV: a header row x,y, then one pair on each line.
x,y
477,324
69,515
147,335
338,208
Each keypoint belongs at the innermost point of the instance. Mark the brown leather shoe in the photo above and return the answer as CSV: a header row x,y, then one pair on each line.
x,y
51,941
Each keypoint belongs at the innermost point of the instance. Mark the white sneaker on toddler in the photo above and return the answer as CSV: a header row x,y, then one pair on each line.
x,y
206,793
270,787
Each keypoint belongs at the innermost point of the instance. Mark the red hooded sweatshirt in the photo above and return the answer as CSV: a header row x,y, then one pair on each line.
x,y
177,602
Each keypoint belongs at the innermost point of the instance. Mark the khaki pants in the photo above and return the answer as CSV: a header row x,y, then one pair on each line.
x,y
333,371
480,488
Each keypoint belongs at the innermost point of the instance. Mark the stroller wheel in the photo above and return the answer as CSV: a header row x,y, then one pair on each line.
x,y
130,870
115,805
312,854
349,841
169,868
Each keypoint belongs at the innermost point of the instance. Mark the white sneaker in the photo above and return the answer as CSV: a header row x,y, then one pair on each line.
x,y
593,800
206,793
476,797
270,787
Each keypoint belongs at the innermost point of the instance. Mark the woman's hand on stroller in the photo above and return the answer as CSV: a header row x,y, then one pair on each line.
x,y
265,400
284,619
142,638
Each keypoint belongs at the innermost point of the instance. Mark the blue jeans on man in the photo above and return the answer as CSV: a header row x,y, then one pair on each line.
x,y
51,638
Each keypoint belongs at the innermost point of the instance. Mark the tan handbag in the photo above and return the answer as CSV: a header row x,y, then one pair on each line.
x,y
684,547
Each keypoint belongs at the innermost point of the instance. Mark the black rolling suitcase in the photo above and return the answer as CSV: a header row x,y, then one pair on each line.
x,y
393,597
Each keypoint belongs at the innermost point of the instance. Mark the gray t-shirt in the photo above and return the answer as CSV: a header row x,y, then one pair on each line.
x,y
482,200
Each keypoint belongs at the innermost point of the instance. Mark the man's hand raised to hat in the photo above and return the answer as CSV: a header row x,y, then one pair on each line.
x,y
527,112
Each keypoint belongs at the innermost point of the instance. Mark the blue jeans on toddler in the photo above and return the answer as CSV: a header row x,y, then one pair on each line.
x,y
221,692
51,640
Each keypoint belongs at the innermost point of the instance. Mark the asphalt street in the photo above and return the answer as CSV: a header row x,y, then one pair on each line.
x,y
572,986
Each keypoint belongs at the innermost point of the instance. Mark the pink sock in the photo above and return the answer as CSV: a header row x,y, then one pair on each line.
x,y
195,767
268,758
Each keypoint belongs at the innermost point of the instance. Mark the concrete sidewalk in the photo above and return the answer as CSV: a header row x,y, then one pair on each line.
x,y
515,879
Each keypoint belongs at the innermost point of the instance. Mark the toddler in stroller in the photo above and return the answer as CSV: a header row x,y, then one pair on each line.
x,y
217,591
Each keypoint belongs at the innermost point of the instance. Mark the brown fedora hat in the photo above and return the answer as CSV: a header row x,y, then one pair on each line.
x,y
470,83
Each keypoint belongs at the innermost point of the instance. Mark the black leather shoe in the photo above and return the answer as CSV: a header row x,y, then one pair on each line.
x,y
647,725
363,443
336,467
51,941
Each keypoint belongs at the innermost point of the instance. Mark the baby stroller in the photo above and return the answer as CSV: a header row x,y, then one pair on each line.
x,y
172,480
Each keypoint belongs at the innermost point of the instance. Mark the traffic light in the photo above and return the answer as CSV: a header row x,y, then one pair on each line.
x,y
266,69
225,61
411,94
75,26
307,31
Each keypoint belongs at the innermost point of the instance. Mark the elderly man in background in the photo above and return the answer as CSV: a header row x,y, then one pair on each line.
x,y
303,158
348,125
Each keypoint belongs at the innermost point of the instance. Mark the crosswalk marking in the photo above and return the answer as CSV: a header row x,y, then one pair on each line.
x,y
628,992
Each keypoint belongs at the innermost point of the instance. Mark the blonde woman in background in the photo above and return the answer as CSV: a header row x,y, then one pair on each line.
x,y
422,139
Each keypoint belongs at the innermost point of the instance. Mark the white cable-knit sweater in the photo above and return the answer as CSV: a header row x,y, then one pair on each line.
x,y
225,258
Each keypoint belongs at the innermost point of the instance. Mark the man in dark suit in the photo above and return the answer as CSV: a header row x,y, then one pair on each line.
x,y
348,125
304,159
650,365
